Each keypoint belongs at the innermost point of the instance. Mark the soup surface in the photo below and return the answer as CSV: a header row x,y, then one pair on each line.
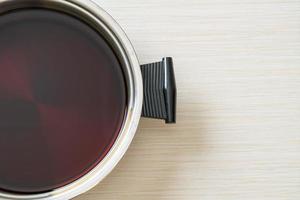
x,y
62,100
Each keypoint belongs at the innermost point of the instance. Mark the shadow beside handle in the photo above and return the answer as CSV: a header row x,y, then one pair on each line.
x,y
160,91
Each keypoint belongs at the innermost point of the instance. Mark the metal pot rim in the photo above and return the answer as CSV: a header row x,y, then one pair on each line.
x,y
95,16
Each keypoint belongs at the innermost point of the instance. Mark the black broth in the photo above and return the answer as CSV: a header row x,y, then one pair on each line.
x,y
62,100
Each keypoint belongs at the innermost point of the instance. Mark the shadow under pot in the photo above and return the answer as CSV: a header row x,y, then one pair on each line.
x,y
71,95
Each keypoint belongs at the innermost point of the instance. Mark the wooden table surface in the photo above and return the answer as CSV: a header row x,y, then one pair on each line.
x,y
237,64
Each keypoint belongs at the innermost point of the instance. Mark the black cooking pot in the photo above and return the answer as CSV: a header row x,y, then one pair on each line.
x,y
71,95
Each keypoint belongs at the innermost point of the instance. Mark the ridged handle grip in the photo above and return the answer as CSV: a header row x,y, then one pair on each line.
x,y
160,91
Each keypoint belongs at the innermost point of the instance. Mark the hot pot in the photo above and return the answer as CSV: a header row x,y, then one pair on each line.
x,y
72,92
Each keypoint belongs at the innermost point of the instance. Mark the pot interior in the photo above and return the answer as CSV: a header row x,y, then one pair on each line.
x,y
62,99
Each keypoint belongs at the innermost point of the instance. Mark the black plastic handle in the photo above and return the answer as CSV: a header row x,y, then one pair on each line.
x,y
160,91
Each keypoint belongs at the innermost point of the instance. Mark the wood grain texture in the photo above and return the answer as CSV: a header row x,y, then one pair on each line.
x,y
237,64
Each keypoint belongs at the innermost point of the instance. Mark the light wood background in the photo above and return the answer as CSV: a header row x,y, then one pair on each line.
x,y
238,75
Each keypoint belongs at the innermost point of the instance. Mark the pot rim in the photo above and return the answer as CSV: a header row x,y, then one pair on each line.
x,y
90,12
